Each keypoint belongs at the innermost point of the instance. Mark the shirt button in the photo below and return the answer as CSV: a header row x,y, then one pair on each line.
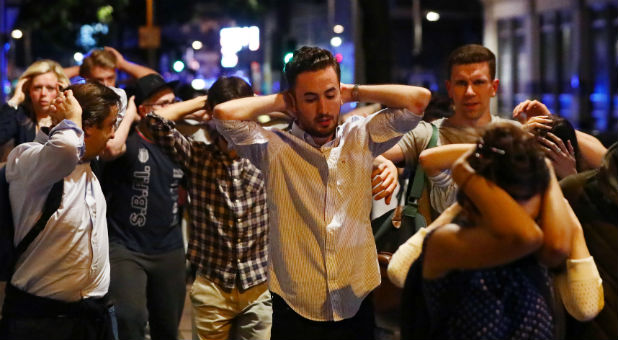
x,y
238,220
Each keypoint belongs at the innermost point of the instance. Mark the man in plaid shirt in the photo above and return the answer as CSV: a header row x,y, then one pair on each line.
x,y
228,234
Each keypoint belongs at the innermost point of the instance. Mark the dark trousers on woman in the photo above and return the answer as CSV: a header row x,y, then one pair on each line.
x,y
287,324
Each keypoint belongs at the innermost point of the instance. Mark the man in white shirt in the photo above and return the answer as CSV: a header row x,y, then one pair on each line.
x,y
323,260
59,286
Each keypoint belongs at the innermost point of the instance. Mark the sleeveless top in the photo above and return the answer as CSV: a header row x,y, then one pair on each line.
x,y
506,302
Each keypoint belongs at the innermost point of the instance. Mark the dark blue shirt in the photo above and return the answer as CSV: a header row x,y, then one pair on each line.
x,y
141,189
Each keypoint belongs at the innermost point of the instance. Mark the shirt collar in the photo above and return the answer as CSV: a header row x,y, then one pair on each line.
x,y
42,136
300,133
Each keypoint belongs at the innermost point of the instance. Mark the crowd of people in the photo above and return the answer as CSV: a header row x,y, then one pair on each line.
x,y
279,237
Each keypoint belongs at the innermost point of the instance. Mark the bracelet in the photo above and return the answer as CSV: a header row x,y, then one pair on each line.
x,y
355,93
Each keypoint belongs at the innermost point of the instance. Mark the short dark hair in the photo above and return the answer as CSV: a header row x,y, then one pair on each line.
x,y
309,58
96,101
511,158
227,88
100,58
472,54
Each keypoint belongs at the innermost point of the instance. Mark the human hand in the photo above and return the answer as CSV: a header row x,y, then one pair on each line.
x,y
19,96
65,106
384,179
537,124
562,156
119,58
528,109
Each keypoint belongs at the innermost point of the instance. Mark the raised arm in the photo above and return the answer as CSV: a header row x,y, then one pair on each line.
x,y
435,160
249,108
71,71
503,232
177,111
117,146
592,150
413,98
557,225
532,114
135,70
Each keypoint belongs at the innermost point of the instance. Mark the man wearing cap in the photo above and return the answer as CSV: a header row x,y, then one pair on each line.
x,y
147,255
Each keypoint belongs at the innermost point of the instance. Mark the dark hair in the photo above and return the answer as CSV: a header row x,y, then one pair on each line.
x,y
472,54
100,58
227,88
510,158
306,59
96,101
564,130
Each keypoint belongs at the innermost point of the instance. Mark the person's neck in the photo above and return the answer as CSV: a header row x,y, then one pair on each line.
x,y
319,141
461,121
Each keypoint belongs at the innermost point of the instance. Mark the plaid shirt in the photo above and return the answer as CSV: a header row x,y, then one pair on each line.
x,y
228,234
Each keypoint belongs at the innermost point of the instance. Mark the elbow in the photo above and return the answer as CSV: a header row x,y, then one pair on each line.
x,y
221,113
424,159
421,100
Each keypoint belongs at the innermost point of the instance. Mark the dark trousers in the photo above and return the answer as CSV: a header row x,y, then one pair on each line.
x,y
147,288
27,316
287,324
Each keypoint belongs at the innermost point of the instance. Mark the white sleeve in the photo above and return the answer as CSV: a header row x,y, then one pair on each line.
x,y
581,289
443,191
404,257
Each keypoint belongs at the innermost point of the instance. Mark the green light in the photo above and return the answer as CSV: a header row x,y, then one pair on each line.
x,y
104,14
288,57
178,66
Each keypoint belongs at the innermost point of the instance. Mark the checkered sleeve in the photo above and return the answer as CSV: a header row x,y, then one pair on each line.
x,y
172,142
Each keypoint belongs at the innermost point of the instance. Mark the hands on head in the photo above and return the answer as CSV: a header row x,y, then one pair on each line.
x,y
65,106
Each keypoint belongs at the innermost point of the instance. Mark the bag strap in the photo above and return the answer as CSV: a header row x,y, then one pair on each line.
x,y
419,175
52,203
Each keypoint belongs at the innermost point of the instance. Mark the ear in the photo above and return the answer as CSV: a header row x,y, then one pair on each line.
x,y
494,85
290,97
142,111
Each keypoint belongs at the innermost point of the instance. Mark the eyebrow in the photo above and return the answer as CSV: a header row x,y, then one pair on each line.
x,y
315,94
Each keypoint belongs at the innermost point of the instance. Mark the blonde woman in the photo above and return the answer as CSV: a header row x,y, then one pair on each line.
x,y
28,109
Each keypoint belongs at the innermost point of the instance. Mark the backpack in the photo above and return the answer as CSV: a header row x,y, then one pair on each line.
x,y
9,253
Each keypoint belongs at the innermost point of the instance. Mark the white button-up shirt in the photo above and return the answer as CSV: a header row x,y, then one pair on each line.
x,y
322,255
69,259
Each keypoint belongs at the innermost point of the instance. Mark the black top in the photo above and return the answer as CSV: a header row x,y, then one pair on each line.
x,y
141,189
17,124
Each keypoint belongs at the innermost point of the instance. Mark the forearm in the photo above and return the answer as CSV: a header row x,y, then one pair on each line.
x,y
500,213
176,111
434,160
591,149
557,224
413,98
72,71
117,146
135,70
170,140
249,108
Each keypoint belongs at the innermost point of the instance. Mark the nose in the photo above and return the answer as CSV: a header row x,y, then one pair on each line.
x,y
321,105
470,90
